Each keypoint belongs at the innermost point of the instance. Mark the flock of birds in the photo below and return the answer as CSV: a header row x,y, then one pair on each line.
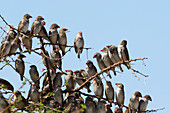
x,y
73,101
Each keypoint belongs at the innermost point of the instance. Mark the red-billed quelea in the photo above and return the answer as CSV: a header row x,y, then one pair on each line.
x,y
57,81
50,62
143,103
69,80
123,52
134,102
98,87
62,40
33,94
19,65
53,33
106,59
15,44
101,107
4,104
55,54
113,55
90,104
27,41
100,63
80,80
120,95
58,96
43,32
90,68
34,75
36,26
109,92
23,24
19,101
79,44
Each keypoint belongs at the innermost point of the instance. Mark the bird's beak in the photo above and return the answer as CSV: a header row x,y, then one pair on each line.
x,y
101,50
94,56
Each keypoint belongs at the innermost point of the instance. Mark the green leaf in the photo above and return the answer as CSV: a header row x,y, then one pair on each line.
x,y
66,83
83,106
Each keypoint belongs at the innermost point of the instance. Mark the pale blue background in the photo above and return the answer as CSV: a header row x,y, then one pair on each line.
x,y
143,23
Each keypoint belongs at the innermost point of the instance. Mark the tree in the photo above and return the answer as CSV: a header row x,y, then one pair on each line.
x,y
49,99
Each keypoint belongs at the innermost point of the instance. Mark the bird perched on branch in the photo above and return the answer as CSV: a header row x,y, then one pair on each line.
x,y
56,55
57,81
15,44
23,24
101,107
43,32
123,52
106,59
98,87
27,40
120,95
58,96
113,55
109,91
33,93
79,44
4,104
143,103
90,104
20,65
53,33
19,101
80,80
62,40
34,75
100,63
91,69
36,26
134,102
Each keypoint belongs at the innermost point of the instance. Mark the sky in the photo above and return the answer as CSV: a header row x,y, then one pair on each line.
x,y
143,23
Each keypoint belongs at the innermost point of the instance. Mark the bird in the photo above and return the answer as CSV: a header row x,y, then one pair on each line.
x,y
90,104
20,65
43,32
80,80
107,61
117,110
134,102
123,52
19,101
113,55
79,44
69,80
33,94
5,46
53,33
120,95
100,63
34,75
58,96
36,26
57,81
11,33
55,54
15,44
108,108
98,87
90,68
50,63
143,103
109,92
27,40
84,74
6,85
62,40
24,23
4,104
101,107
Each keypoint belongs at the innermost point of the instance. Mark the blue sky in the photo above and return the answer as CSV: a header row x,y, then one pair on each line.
x,y
143,23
